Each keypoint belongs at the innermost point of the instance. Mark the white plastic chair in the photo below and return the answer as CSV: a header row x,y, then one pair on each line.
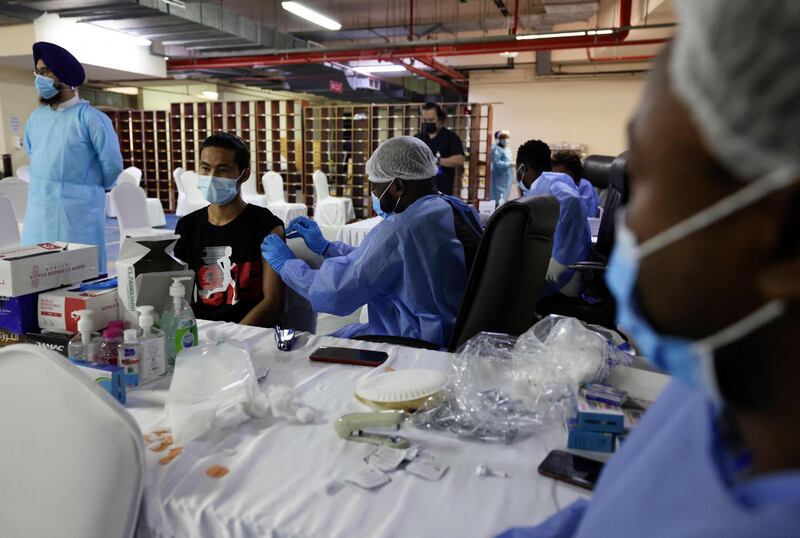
x,y
193,198
9,230
135,173
131,205
250,192
73,458
155,211
24,173
17,192
276,200
330,210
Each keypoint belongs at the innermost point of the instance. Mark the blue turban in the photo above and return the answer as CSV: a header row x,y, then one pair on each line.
x,y
59,60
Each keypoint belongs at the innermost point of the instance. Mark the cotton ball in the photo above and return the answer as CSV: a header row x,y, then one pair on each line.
x,y
306,415
280,401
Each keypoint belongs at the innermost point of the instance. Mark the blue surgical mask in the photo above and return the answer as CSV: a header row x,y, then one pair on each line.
x,y
218,190
376,203
46,86
502,143
687,360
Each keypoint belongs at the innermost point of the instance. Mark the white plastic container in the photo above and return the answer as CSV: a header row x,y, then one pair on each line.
x,y
130,357
153,359
178,322
84,345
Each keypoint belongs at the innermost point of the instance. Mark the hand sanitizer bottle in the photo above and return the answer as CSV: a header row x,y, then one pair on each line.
x,y
154,362
178,322
83,346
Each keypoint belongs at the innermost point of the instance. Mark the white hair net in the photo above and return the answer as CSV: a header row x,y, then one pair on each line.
x,y
735,65
401,157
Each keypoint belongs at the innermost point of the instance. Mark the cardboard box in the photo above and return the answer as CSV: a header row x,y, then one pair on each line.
x,y
47,266
7,338
109,377
145,268
18,314
58,341
599,417
56,309
585,440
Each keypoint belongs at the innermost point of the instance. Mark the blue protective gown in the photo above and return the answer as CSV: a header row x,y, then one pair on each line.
x,y
591,203
75,157
502,172
572,240
674,478
409,270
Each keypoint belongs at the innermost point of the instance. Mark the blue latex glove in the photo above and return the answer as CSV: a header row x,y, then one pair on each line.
x,y
310,232
275,252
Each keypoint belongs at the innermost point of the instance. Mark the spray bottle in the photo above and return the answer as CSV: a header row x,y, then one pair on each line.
x,y
178,322
83,346
154,362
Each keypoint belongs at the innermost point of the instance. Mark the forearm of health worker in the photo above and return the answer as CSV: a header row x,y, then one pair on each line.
x,y
562,524
453,161
106,144
266,312
337,248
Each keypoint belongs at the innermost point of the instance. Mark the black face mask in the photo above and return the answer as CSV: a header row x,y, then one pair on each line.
x,y
429,127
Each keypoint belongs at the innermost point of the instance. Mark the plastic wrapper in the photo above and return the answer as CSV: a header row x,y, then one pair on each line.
x,y
214,386
504,388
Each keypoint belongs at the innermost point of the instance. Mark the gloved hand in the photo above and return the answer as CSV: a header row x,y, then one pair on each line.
x,y
554,270
275,252
310,232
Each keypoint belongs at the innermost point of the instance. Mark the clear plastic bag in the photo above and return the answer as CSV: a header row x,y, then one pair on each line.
x,y
214,386
505,388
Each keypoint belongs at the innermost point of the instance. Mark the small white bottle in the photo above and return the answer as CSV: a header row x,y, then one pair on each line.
x,y
153,360
502,201
84,345
178,322
130,357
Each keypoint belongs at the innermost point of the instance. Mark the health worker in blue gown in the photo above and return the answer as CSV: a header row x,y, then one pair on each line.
x,y
572,240
705,275
502,167
569,162
411,269
74,156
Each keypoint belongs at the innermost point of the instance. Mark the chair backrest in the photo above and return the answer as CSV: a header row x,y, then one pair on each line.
x,y
131,204
177,173
9,231
17,191
24,173
298,313
321,185
597,170
125,177
249,187
135,173
73,457
616,197
273,187
509,270
193,194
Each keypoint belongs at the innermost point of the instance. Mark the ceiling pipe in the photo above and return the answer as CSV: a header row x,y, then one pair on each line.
x,y
440,67
430,76
603,59
411,20
516,18
416,49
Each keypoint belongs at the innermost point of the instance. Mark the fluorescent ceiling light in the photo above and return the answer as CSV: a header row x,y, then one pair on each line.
x,y
508,54
126,90
370,69
175,3
208,94
166,58
310,15
578,33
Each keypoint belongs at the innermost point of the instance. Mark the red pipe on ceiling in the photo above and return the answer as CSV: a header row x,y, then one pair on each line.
x,y
390,53
443,69
430,76
516,17
411,20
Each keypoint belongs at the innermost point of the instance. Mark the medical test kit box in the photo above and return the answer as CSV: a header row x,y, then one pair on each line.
x,y
56,309
18,314
38,268
145,269
109,377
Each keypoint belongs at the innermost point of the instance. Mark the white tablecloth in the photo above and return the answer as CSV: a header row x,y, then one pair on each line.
x,y
278,475
355,232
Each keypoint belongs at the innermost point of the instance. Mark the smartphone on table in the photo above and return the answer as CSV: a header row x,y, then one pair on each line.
x,y
572,469
346,355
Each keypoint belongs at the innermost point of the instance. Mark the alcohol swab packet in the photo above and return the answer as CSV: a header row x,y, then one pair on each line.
x,y
427,468
387,459
368,477
412,453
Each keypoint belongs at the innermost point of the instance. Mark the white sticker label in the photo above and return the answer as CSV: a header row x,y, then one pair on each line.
x,y
387,459
368,478
427,469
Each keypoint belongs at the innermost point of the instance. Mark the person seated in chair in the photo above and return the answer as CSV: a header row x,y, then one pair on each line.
x,y
412,268
572,240
221,243
569,162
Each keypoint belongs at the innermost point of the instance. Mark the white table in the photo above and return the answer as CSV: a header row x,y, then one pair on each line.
x,y
355,232
278,476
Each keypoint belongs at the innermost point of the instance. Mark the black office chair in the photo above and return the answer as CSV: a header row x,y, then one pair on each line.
x,y
507,275
597,306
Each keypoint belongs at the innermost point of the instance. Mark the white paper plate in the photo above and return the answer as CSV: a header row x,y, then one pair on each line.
x,y
400,387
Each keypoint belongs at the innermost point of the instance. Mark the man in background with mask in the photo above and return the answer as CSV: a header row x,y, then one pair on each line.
x,y
74,155
502,167
411,270
706,274
221,243
445,145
